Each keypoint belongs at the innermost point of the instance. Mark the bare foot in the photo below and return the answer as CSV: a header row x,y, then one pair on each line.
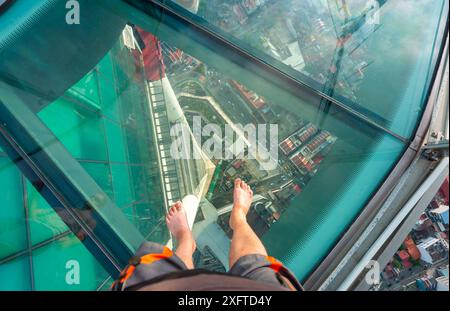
x,y
178,225
242,199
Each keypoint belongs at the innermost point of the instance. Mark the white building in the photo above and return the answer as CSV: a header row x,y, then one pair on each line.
x,y
430,250
440,215
190,5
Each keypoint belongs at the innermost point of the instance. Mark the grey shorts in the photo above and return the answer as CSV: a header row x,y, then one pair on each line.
x,y
155,261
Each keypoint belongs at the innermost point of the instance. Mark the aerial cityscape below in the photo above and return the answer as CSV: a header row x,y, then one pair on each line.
x,y
333,112
184,88
421,263
203,92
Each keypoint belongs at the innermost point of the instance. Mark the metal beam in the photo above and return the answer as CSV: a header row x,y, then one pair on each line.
x,y
66,186
399,226
334,260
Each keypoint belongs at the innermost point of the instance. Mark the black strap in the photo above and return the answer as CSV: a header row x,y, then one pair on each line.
x,y
284,272
118,285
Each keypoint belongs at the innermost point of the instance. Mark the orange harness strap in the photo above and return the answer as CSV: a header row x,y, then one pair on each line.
x,y
135,261
150,258
278,267
274,264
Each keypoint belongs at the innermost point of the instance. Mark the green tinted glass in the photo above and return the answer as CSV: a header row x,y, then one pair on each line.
x,y
374,56
335,105
66,265
37,250
12,219
17,274
323,160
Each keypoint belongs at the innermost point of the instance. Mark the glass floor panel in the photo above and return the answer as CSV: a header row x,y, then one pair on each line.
x,y
118,121
37,250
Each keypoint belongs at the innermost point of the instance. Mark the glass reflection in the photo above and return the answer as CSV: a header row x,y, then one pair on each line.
x,y
374,56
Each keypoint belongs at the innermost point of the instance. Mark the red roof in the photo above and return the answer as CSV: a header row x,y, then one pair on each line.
x,y
403,255
306,134
412,248
287,146
406,264
152,56
251,97
301,161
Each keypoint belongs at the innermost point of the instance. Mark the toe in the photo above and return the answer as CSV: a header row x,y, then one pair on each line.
x,y
172,211
237,182
179,206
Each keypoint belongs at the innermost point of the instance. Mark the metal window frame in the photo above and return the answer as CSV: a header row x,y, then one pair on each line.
x,y
66,186
411,155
